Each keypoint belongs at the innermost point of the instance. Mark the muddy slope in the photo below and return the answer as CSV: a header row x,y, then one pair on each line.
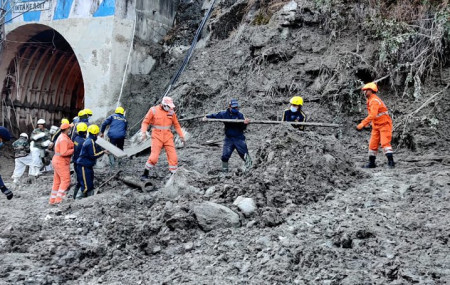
x,y
316,217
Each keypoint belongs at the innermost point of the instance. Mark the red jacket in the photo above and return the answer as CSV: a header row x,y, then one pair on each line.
x,y
160,119
64,148
378,112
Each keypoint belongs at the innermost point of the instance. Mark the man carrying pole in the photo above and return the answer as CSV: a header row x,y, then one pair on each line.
x,y
234,135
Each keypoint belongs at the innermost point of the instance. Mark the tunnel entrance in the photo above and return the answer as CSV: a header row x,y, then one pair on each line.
x,y
42,79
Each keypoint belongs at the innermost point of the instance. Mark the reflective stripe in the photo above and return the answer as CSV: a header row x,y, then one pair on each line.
x,y
388,150
149,166
381,114
373,152
173,168
161,127
153,110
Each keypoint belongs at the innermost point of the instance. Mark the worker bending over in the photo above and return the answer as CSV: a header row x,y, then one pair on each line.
x,y
295,113
4,137
381,126
89,154
234,135
161,118
23,157
117,131
64,148
78,142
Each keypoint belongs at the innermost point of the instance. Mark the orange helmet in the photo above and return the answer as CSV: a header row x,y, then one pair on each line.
x,y
372,86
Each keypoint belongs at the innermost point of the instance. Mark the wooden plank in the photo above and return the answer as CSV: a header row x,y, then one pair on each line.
x,y
274,122
138,147
117,152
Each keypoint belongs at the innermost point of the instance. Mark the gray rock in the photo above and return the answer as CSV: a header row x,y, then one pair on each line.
x,y
212,216
246,205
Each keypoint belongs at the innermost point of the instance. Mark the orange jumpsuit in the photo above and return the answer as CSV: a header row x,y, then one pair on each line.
x,y
64,148
381,125
161,122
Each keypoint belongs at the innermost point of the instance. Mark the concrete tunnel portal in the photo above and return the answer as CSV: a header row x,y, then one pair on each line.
x,y
42,78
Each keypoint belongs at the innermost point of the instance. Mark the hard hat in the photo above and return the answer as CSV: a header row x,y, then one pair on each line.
x,y
93,129
4,134
23,135
65,126
296,100
372,86
65,121
234,103
82,113
88,112
82,127
168,101
120,110
41,122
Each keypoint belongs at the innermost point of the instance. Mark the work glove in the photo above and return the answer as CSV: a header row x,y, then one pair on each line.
x,y
359,127
7,192
143,136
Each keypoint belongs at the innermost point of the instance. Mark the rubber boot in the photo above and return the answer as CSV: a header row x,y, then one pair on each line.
x,y
248,162
224,166
145,175
390,157
112,163
7,192
371,163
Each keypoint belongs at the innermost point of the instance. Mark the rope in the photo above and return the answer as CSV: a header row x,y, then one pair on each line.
x,y
128,61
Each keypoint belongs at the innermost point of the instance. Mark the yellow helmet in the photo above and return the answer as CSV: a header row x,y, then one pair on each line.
x,y
82,127
120,110
296,100
93,129
65,121
372,86
82,113
88,112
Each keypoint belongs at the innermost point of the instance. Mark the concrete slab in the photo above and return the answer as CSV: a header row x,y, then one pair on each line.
x,y
117,152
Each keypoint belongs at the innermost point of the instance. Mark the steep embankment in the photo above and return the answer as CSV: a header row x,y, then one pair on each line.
x,y
319,217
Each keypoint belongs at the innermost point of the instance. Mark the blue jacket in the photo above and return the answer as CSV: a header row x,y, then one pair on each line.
x,y
78,143
298,116
117,126
232,130
90,151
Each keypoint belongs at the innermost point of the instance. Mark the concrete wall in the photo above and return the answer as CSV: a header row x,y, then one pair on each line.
x,y
100,33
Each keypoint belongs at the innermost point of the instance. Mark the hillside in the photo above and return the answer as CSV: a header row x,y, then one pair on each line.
x,y
320,218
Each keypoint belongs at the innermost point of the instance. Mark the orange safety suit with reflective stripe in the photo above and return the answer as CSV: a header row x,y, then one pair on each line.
x,y
381,125
161,122
64,148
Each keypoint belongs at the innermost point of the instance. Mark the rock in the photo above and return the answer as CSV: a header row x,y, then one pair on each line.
x,y
213,216
210,191
246,205
189,246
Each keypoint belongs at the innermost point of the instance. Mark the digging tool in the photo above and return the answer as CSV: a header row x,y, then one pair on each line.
x,y
262,122
106,181
138,184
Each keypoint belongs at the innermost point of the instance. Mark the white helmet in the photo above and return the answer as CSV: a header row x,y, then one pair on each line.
x,y
41,122
23,135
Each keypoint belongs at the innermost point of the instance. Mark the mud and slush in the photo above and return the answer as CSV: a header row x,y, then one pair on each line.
x,y
315,216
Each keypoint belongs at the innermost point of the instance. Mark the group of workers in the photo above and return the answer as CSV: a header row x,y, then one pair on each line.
x,y
80,147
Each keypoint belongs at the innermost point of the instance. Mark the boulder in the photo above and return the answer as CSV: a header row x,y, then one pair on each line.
x,y
246,205
213,216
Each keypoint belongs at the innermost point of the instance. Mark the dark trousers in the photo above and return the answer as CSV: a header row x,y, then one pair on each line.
x,y
79,178
1,182
117,142
87,180
230,144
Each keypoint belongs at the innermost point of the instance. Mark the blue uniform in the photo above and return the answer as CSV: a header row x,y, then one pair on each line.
x,y
90,152
234,134
76,121
78,144
117,129
298,116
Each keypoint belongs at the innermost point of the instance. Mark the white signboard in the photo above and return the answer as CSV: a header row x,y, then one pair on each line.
x,y
23,7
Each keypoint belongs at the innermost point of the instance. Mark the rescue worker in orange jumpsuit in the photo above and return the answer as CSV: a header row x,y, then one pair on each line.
x,y
381,126
64,148
161,118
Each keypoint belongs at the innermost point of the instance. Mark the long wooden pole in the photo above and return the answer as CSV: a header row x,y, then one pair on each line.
x,y
274,122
